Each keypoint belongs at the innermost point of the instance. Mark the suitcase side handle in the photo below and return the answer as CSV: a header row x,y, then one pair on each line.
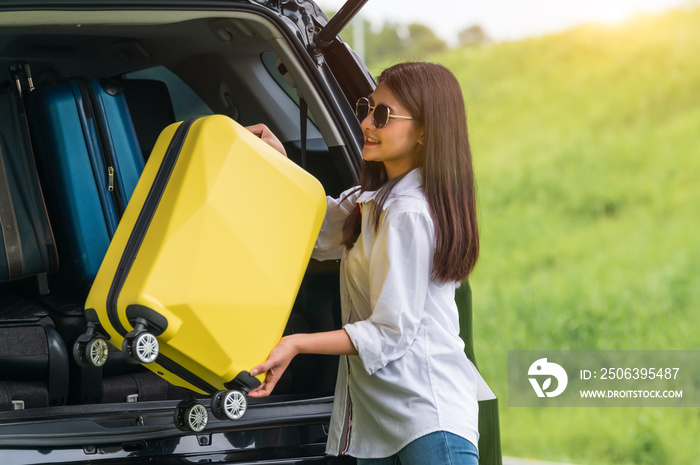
x,y
156,323
243,381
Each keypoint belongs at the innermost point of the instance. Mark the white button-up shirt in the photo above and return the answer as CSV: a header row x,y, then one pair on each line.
x,y
411,376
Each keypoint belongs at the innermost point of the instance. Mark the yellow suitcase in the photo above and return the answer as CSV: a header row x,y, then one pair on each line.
x,y
201,275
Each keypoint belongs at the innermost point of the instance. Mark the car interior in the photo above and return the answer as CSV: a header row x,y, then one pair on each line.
x,y
170,66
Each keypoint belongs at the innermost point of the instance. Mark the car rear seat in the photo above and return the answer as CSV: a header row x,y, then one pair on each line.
x,y
151,110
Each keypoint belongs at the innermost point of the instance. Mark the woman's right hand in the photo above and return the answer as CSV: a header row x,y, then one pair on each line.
x,y
264,133
326,343
277,362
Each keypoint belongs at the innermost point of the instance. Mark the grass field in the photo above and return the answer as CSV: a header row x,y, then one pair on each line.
x,y
587,151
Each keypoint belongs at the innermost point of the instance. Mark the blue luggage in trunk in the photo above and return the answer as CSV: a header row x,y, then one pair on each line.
x,y
90,161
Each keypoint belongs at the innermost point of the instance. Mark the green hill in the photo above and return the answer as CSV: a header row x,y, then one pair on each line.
x,y
587,152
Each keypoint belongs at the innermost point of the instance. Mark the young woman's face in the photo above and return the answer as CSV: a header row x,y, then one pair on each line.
x,y
398,143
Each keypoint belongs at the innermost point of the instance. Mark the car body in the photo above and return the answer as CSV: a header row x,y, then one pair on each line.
x,y
250,60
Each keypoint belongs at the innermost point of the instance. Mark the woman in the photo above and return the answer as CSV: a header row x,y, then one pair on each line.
x,y
408,236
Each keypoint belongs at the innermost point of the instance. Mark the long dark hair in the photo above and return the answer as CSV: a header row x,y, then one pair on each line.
x,y
432,95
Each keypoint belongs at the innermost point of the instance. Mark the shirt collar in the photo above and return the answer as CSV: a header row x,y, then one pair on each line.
x,y
413,180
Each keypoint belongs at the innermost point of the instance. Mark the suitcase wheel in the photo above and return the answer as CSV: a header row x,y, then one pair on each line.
x,y
92,352
141,347
228,405
190,415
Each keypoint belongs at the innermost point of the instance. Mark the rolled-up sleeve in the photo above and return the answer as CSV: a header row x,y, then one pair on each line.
x,y
328,245
399,275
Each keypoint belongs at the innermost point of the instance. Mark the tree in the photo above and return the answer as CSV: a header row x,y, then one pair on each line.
x,y
474,36
395,42
383,45
422,41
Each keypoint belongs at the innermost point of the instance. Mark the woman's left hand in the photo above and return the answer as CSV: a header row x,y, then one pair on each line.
x,y
277,362
264,133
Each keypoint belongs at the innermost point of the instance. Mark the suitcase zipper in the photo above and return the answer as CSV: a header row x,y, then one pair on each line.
x,y
11,238
184,374
93,110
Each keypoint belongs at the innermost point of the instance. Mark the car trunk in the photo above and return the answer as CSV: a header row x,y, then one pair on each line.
x,y
232,58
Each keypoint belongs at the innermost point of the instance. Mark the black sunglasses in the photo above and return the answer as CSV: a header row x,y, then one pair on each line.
x,y
382,113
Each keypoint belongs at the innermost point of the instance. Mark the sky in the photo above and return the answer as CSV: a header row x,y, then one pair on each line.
x,y
504,19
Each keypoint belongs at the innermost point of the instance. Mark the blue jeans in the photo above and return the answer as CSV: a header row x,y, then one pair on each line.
x,y
438,448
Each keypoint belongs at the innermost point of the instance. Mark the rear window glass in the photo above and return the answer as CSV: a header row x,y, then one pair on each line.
x,y
273,67
186,103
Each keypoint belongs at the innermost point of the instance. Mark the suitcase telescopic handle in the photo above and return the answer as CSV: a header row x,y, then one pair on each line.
x,y
19,70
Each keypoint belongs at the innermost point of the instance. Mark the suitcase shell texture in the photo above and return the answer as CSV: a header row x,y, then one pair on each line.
x,y
210,254
26,238
90,159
